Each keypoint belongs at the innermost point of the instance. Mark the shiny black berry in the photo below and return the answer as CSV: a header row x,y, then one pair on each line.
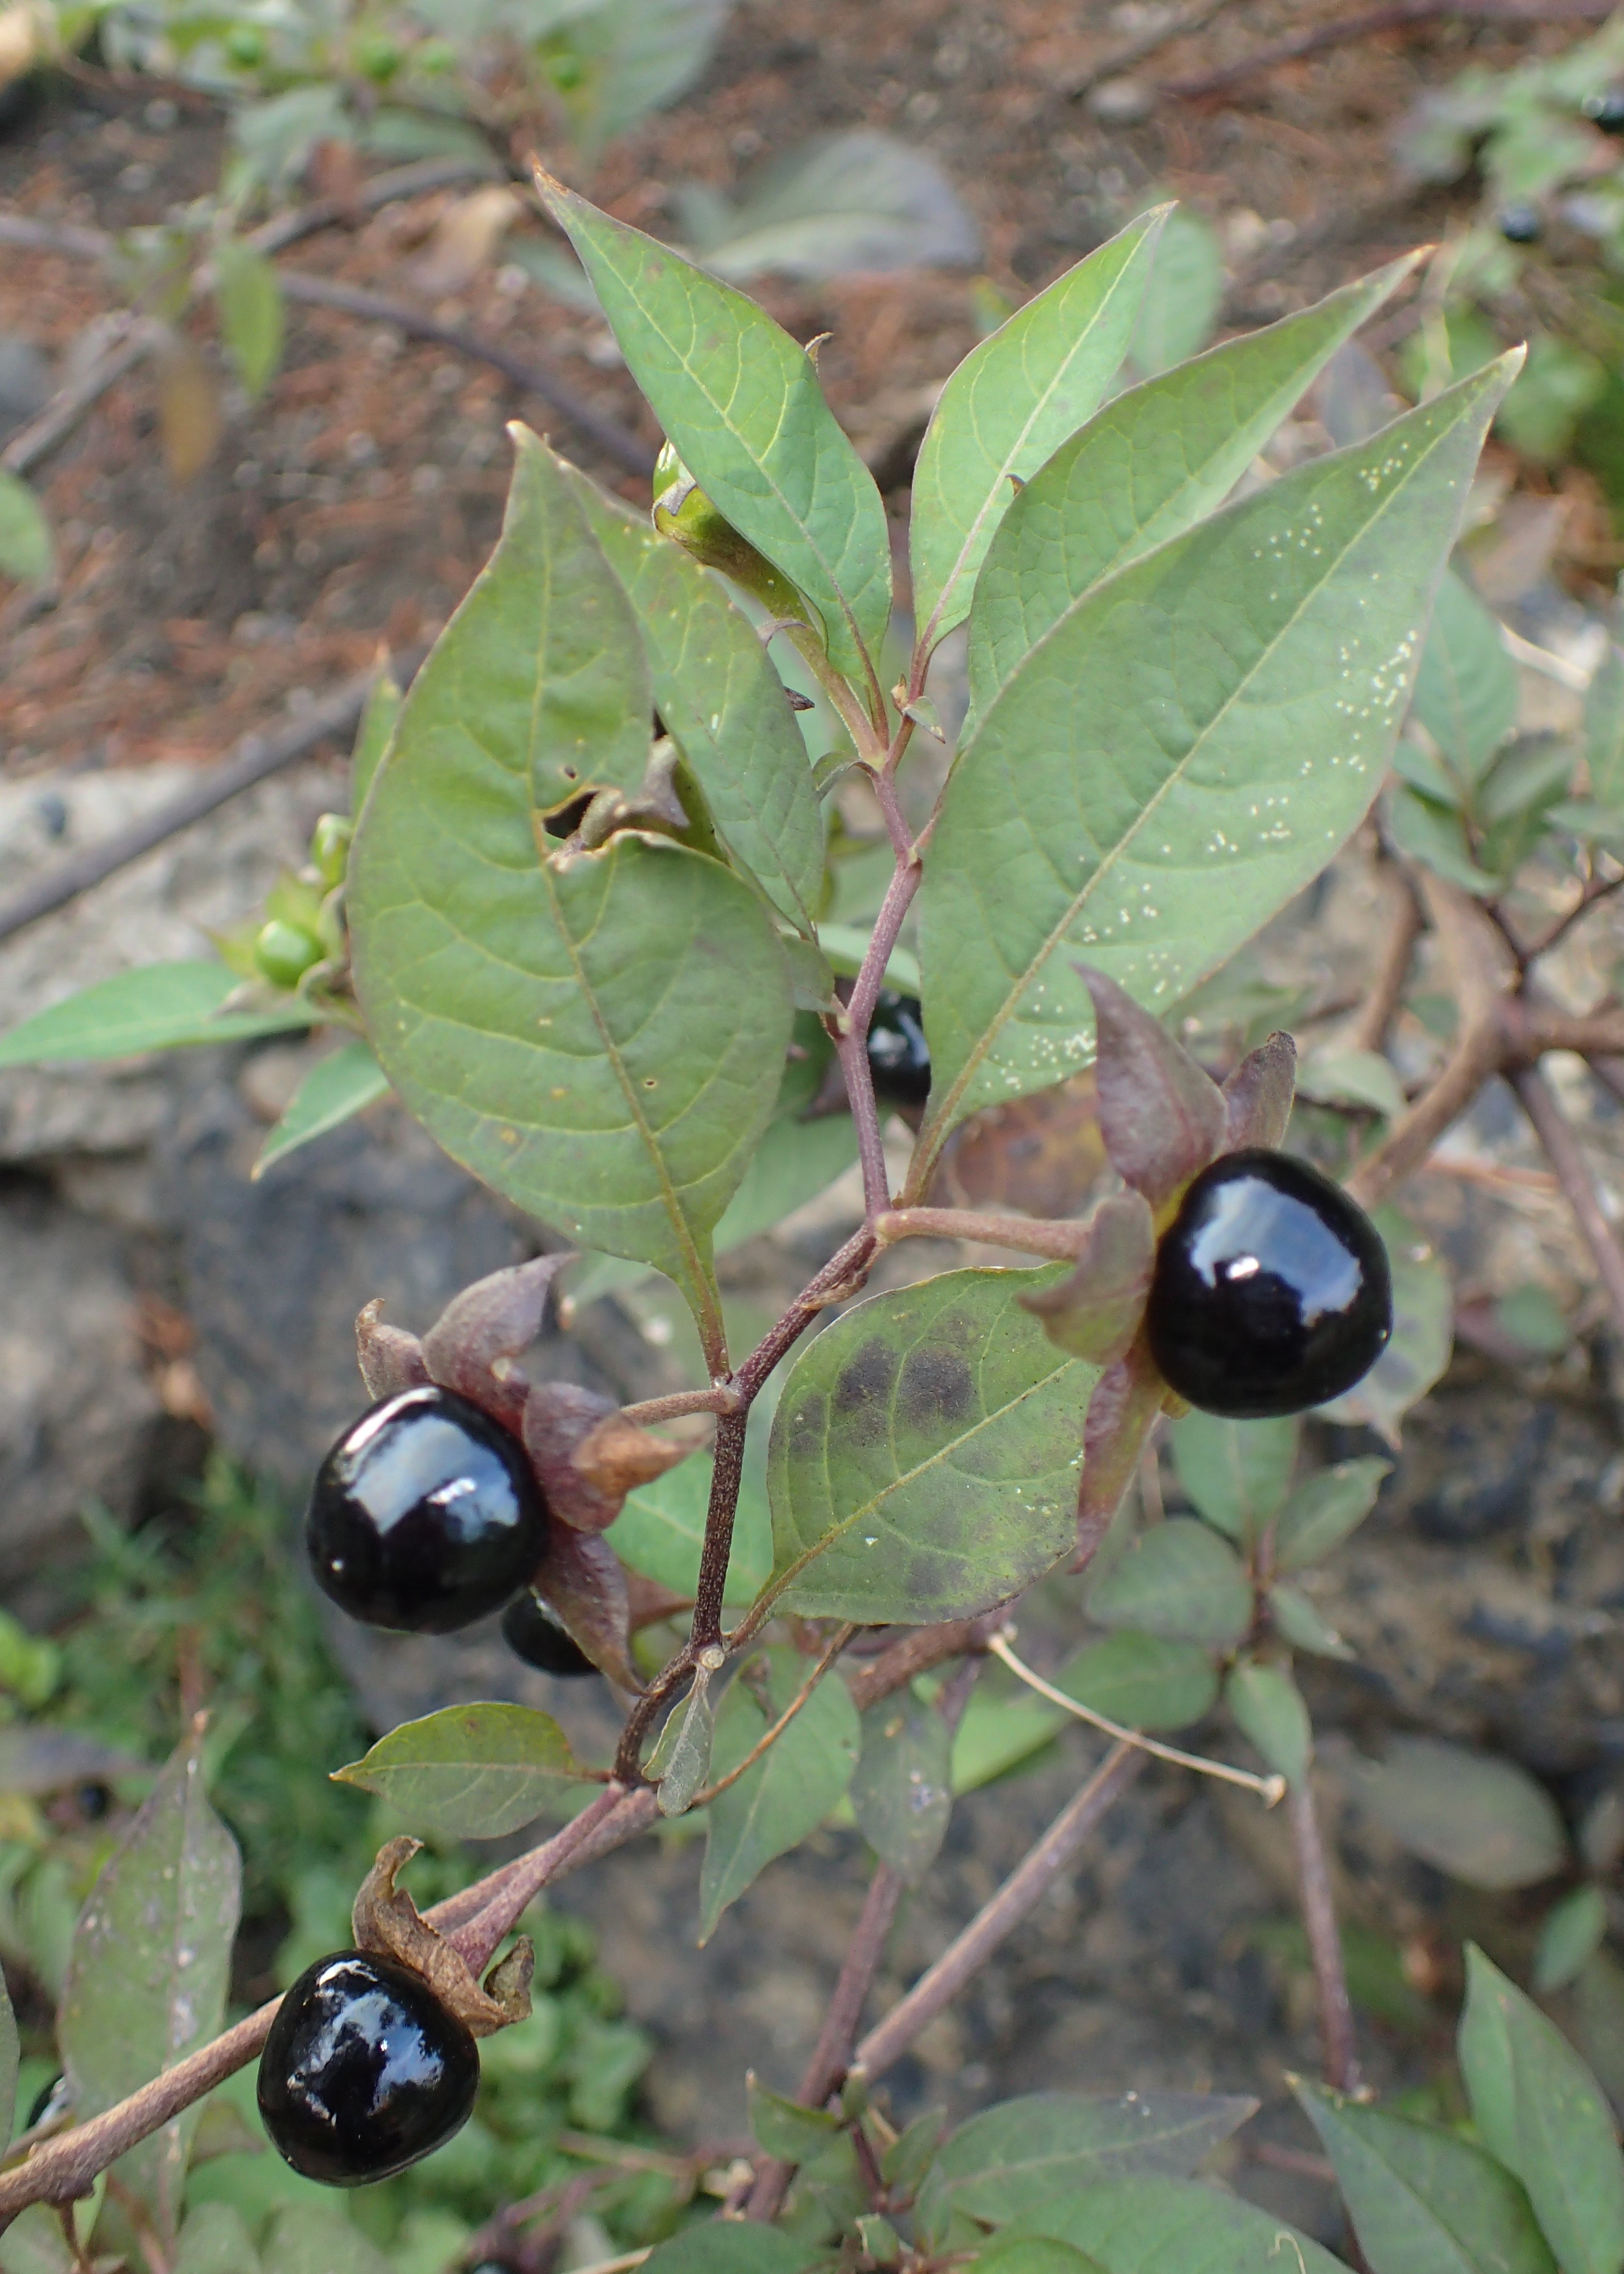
x,y
426,1515
1520,224
364,2071
898,1055
1271,1291
1606,110
532,1632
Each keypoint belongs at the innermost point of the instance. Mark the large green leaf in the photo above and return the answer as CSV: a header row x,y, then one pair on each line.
x,y
1024,2253
1151,464
1237,1472
1024,2152
35,2244
150,1965
469,1771
717,2247
1466,689
600,1038
741,402
1178,1579
1012,403
788,1792
1185,298
1177,2226
661,1531
1420,2196
724,704
1545,2116
925,1453
1480,1819
1142,1681
1184,749
9,2058
638,55
161,1007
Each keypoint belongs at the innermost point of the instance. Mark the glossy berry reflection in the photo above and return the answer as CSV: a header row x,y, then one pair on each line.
x,y
364,2071
898,1055
426,1515
1271,1291
534,1632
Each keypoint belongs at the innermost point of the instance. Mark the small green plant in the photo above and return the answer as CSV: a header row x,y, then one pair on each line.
x,y
587,934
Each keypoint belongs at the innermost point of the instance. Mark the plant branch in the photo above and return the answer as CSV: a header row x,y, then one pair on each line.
x,y
833,1650
1369,1029
1596,889
1399,16
1269,1789
478,1938
1562,1151
853,1050
920,1650
997,1920
1325,1942
34,442
721,1398
1060,1241
1123,58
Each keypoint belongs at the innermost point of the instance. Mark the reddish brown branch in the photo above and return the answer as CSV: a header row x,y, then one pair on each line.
x,y
1325,1942
918,1651
1398,16
1562,1151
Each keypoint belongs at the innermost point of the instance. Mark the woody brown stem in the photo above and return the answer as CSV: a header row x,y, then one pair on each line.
x,y
1562,1151
1325,1942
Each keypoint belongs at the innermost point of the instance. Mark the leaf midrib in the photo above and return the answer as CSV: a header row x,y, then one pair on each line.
x,y
943,1120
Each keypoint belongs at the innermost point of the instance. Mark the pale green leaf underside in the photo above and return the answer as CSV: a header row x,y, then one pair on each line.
x,y
925,1454
602,1041
335,1090
1183,750
1007,2160
1154,462
161,1007
788,1792
741,402
1176,2226
469,1771
725,706
1010,403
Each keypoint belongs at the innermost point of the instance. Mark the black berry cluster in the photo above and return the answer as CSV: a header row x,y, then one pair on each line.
x,y
364,2071
1271,1291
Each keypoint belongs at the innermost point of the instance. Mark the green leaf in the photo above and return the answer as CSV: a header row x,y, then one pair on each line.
x,y
794,1161
248,295
1012,402
846,946
790,1790
1604,730
1018,2254
1182,752
1012,2157
149,1968
741,402
1352,1078
924,1456
723,706
161,1007
1466,689
469,1771
1297,1620
10,2056
1237,1472
307,2239
1545,2116
1573,1932
640,55
998,1733
1155,461
1436,837
1142,1681
784,2128
1481,1820
1176,2226
1422,1339
1330,1507
215,2240
27,550
902,1793
35,2244
336,1089
1180,1580
1180,313
661,1531
600,1038
378,723
1420,2197
1268,1708
721,2246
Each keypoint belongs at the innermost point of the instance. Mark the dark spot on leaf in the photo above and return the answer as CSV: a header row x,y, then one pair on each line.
x,y
868,1377
936,1387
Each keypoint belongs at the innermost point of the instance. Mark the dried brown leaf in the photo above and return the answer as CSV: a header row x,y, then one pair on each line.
x,y
390,1359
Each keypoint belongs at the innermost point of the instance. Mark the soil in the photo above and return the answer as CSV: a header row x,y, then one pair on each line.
x,y
353,505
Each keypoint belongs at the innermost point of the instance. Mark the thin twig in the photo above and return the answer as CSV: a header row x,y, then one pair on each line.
x,y
1562,1151
479,1937
1325,1942
722,1397
1369,1031
920,1650
1134,52
1059,1241
396,182
256,757
1596,890
833,1650
1269,1789
997,1920
1399,16
34,443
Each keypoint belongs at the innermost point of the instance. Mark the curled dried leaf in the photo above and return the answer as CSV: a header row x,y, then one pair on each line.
x,y
473,1345
1122,1412
385,1920
390,1359
559,1417
656,804
583,1583
1257,1097
1095,1313
1162,1118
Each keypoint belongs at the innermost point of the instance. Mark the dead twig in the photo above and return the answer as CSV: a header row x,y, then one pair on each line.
x,y
255,758
1556,1133
1369,1029
1339,2046
32,444
1399,16
1134,52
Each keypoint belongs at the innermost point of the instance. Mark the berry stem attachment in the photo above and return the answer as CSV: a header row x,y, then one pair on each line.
x,y
1060,1242
722,1397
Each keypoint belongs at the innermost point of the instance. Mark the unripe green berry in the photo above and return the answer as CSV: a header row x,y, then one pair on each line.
x,y
565,70
284,952
375,56
246,47
329,845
